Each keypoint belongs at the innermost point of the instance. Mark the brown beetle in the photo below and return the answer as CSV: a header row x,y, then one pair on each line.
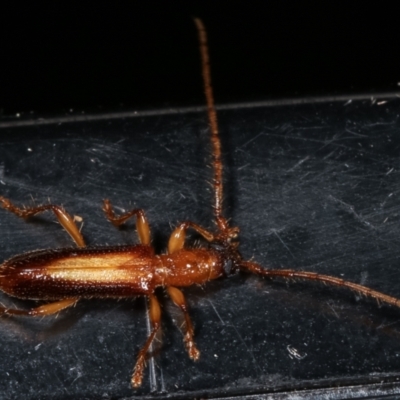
x,y
63,276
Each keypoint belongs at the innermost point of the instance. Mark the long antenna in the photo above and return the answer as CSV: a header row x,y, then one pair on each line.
x,y
212,119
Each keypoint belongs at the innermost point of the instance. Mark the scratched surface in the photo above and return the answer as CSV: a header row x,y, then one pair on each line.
x,y
313,187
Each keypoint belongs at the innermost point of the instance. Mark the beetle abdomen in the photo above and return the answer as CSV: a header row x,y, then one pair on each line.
x,y
119,271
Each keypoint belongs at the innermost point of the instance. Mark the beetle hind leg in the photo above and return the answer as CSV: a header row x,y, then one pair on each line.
x,y
43,310
155,317
179,299
142,225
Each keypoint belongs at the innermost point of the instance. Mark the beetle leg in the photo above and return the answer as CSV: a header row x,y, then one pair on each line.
x,y
155,317
178,236
46,309
179,299
63,217
142,225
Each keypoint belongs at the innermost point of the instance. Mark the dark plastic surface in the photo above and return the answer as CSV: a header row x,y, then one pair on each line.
x,y
312,186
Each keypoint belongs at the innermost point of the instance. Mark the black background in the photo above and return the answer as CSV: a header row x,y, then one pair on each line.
x,y
113,56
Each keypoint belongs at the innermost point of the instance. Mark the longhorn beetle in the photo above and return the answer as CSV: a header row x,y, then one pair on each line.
x,y
66,275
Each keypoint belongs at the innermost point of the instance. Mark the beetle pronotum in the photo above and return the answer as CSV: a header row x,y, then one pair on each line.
x,y
63,276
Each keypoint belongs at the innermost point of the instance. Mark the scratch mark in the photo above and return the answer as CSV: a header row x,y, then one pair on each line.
x,y
163,388
308,128
350,209
333,310
384,202
330,154
152,366
383,326
61,381
304,176
286,247
252,139
78,373
2,177
390,171
38,346
329,142
243,166
355,133
216,312
247,348
364,278
299,163
238,334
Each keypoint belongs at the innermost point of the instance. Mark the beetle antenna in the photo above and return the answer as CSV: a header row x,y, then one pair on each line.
x,y
221,222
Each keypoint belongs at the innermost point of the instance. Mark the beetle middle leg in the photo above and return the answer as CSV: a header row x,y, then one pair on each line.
x,y
63,217
142,225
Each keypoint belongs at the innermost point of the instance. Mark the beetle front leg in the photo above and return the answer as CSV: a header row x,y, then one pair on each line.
x,y
142,225
43,310
178,236
179,299
63,217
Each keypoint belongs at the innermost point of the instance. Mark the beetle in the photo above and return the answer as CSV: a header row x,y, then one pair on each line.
x,y
66,275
